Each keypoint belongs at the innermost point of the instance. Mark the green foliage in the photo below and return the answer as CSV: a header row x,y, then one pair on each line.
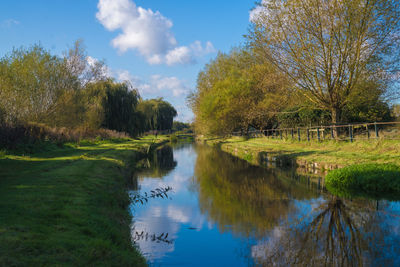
x,y
330,50
31,81
181,126
116,104
325,62
158,114
303,116
376,180
236,91
69,91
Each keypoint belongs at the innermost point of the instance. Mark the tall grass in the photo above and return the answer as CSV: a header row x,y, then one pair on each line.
x,y
11,136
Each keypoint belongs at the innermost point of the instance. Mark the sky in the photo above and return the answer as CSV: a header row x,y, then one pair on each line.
x,y
158,45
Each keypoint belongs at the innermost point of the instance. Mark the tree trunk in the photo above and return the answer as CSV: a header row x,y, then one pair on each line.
x,y
335,114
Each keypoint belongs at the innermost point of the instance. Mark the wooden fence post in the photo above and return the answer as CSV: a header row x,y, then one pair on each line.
x,y
308,134
298,134
332,135
292,132
376,131
368,131
351,133
318,134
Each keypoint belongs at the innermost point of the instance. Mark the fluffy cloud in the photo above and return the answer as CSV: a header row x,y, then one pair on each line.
x,y
172,89
148,32
157,85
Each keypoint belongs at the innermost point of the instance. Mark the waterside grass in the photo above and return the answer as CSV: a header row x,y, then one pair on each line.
x,y
324,153
366,180
67,206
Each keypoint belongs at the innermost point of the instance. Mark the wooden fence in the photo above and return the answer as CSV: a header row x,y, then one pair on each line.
x,y
344,132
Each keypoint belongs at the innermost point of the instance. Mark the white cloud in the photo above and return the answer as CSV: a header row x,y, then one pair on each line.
x,y
172,89
148,32
8,23
156,86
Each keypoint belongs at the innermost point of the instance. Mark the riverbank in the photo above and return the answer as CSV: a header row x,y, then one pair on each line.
x,y
68,205
310,156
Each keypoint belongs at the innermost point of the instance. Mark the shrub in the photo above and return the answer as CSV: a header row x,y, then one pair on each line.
x,y
373,180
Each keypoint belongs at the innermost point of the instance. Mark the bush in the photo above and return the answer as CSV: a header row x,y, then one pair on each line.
x,y
372,180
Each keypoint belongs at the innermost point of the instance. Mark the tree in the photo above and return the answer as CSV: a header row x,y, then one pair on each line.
x,y
30,84
86,69
236,91
158,114
328,47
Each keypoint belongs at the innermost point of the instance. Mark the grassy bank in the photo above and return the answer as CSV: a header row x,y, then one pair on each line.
x,y
328,154
68,205
370,180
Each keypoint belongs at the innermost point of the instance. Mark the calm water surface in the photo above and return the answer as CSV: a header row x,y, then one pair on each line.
x,y
225,212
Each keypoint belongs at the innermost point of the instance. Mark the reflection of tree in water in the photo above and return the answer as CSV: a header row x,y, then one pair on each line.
x,y
340,233
245,199
159,164
144,236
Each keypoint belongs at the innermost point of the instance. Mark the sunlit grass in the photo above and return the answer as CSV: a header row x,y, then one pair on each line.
x,y
329,152
68,205
371,180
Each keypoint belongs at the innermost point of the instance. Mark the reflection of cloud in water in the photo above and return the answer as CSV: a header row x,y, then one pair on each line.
x,y
175,180
164,219
177,214
153,221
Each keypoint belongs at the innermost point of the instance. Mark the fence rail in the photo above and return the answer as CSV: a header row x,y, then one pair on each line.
x,y
343,132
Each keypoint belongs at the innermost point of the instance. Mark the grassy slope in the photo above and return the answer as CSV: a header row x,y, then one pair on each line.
x,y
68,206
328,152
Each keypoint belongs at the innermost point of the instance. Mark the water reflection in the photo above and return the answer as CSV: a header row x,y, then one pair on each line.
x,y
159,164
242,198
336,232
225,212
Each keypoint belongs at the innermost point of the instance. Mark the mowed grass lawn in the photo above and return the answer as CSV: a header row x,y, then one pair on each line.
x,y
327,152
68,206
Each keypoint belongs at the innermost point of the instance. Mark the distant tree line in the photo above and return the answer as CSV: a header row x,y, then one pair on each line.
x,y
73,91
304,63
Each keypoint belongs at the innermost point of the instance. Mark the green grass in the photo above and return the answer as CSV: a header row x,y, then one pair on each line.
x,y
67,206
327,152
173,138
370,180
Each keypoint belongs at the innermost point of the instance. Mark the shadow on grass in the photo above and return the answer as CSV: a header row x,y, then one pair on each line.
x,y
69,206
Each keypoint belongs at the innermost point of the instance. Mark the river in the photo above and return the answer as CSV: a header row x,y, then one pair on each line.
x,y
223,211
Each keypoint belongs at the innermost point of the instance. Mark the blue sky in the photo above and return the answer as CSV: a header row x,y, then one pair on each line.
x,y
159,45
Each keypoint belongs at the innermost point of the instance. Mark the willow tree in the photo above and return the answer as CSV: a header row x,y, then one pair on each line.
x,y
157,114
328,47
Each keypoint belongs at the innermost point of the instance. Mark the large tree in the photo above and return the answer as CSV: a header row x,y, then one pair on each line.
x,y
328,47
236,91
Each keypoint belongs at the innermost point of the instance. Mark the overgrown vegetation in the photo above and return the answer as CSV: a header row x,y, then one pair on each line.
x,y
371,180
69,204
39,91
